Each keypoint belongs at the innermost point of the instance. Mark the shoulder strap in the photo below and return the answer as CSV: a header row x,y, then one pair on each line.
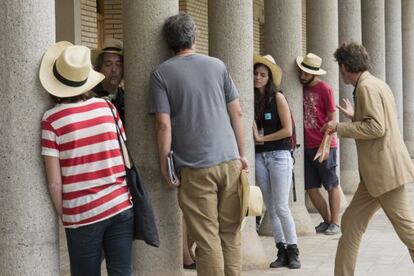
x,y
122,143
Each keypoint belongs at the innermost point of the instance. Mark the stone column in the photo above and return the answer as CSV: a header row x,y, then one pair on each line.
x,y
283,40
29,241
349,15
231,40
322,40
408,72
144,49
373,34
393,54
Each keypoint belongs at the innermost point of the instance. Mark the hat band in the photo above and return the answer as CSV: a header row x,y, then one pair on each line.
x,y
112,49
64,80
309,67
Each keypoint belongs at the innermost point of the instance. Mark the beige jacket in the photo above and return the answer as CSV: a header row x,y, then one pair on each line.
x,y
383,160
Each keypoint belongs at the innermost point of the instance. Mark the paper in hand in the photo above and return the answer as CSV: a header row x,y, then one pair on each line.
x,y
171,167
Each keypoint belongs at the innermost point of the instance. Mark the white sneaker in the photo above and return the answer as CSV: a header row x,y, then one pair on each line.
x,y
333,229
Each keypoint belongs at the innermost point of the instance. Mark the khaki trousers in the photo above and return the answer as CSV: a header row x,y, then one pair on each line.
x,y
355,221
210,204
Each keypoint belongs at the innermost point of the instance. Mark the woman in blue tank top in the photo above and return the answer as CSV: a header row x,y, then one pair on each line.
x,y
272,130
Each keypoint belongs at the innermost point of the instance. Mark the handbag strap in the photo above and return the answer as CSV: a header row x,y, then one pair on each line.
x,y
120,137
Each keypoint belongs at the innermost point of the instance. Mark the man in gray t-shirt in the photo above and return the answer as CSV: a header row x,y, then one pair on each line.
x,y
198,115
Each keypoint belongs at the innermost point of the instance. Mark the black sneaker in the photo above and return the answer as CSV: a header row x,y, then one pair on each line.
x,y
322,227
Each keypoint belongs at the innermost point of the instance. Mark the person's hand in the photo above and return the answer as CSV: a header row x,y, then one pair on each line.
x,y
244,164
170,184
346,108
329,127
257,137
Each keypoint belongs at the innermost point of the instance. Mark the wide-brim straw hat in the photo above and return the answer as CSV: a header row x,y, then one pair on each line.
x,y
66,70
311,64
270,62
251,199
110,45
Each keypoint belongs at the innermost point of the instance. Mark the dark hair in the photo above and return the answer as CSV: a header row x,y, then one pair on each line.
x,y
82,97
260,101
179,31
353,56
100,60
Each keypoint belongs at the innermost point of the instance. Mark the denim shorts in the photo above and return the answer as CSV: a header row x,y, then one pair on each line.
x,y
318,174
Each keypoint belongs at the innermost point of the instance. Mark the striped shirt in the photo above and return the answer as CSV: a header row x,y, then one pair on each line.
x,y
83,136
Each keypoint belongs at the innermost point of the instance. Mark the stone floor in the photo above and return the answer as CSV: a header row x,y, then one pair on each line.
x,y
381,252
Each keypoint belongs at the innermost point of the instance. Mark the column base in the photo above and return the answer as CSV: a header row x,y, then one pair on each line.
x,y
303,222
349,181
253,254
265,228
410,148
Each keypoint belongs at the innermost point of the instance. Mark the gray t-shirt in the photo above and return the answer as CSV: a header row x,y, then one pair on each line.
x,y
195,90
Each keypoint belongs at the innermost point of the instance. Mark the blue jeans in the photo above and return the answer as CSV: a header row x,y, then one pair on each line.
x,y
114,236
274,177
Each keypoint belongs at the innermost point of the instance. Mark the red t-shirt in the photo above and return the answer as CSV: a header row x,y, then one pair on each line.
x,y
318,100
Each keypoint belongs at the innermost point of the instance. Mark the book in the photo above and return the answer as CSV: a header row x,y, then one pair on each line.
x,y
171,167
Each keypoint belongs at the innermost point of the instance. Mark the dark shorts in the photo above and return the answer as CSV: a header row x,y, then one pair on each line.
x,y
318,174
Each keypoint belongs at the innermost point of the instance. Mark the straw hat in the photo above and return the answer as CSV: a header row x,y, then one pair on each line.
x,y
311,64
251,199
110,45
66,70
270,62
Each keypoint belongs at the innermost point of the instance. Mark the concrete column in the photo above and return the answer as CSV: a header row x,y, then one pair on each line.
x,y
283,40
29,241
322,40
349,15
408,72
144,49
373,34
393,54
231,40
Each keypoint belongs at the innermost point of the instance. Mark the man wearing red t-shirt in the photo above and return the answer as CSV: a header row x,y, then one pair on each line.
x,y
319,108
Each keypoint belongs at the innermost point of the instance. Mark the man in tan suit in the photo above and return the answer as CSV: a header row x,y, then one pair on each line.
x,y
384,163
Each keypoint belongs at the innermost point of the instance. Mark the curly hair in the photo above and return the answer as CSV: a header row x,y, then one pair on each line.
x,y
353,56
179,31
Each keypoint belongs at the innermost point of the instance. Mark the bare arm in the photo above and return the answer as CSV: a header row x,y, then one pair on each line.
x,y
285,119
163,129
332,116
54,182
236,118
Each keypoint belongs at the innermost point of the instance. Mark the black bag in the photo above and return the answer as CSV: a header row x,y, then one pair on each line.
x,y
145,227
144,221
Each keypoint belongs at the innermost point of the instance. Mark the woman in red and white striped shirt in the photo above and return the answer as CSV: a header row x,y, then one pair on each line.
x,y
84,164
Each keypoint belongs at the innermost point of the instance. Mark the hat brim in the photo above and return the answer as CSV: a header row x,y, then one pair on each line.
x,y
96,52
255,201
274,68
308,70
244,194
52,85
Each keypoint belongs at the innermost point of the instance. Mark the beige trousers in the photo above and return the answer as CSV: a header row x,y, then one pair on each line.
x,y
355,221
210,204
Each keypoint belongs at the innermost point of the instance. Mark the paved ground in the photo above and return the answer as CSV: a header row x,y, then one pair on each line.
x,y
381,253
